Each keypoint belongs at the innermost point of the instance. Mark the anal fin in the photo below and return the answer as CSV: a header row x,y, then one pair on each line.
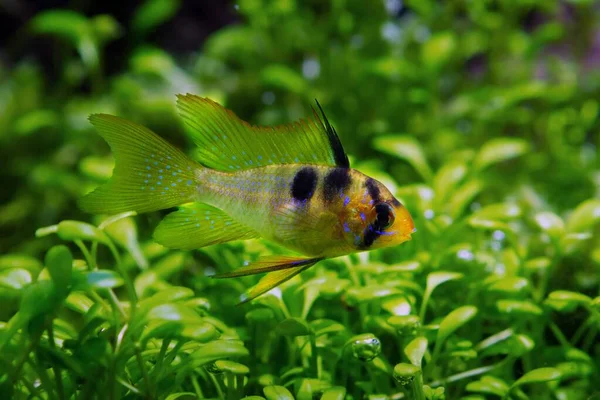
x,y
197,225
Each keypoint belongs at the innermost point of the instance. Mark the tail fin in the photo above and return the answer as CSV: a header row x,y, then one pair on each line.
x,y
150,174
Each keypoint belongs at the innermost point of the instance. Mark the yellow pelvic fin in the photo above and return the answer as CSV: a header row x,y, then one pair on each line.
x,y
227,143
269,264
197,225
150,174
274,279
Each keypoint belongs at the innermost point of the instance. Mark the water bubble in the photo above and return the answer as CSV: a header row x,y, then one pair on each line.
x,y
391,32
393,7
406,325
366,347
311,68
405,373
466,255
268,98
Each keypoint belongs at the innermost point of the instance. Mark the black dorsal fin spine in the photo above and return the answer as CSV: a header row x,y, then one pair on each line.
x,y
339,155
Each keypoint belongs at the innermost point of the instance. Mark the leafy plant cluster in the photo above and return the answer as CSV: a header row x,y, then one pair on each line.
x,y
482,117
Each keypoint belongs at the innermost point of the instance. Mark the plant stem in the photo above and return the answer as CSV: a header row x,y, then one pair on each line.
x,y
128,282
417,386
314,356
57,372
144,371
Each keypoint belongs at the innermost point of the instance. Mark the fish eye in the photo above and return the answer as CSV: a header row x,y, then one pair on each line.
x,y
385,215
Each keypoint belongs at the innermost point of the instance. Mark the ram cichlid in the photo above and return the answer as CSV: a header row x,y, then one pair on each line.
x,y
291,184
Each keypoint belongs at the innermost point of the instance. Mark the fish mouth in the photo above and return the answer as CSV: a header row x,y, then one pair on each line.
x,y
408,236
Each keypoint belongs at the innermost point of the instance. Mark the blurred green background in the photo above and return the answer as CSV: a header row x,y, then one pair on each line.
x,y
482,116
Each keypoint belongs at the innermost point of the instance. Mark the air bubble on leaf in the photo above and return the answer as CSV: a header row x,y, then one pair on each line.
x,y
366,347
406,325
405,373
465,254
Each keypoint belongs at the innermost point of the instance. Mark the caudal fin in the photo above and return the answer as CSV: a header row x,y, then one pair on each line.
x,y
150,174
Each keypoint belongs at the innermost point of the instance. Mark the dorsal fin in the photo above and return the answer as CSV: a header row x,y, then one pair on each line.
x,y
227,143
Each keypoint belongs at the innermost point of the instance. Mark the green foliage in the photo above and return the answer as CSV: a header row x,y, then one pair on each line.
x,y
480,122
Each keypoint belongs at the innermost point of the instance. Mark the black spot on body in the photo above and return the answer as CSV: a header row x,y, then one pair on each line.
x,y
336,182
373,189
304,184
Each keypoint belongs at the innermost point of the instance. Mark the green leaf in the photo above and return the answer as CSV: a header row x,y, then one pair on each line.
x,y
218,349
497,150
463,196
124,232
59,262
539,375
283,77
152,61
516,307
498,211
63,23
448,177
455,320
406,148
15,278
79,302
76,230
509,285
105,28
97,168
489,385
294,327
334,393
326,326
153,13
182,396
550,223
103,279
405,373
585,216
277,393
232,367
309,388
357,295
437,278
38,298
20,261
438,50
415,350
73,27
566,301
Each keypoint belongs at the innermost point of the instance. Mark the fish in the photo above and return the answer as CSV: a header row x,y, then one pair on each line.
x,y
291,184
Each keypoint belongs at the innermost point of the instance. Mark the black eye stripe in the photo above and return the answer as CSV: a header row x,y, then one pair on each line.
x,y
304,184
373,189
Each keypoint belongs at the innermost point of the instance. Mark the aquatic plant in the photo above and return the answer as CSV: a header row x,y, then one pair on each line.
x,y
481,117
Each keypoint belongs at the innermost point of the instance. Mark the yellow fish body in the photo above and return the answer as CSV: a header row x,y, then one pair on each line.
x,y
291,184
